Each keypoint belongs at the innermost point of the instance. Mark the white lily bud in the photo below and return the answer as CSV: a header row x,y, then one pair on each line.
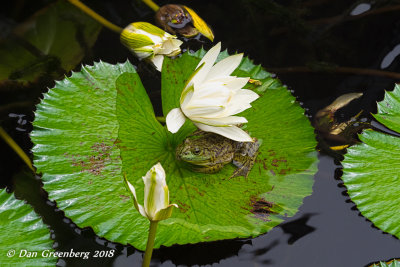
x,y
156,195
211,96
149,42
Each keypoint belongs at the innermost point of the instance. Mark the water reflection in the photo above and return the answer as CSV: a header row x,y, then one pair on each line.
x,y
298,228
382,128
361,8
390,57
21,121
201,254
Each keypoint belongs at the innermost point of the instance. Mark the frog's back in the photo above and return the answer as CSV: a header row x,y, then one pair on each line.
x,y
219,148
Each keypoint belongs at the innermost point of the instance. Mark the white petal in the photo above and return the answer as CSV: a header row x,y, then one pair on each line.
x,y
237,83
187,99
240,102
234,109
158,168
211,55
176,43
139,207
225,121
170,47
157,60
217,96
247,95
225,67
208,61
174,120
167,47
232,132
203,111
221,80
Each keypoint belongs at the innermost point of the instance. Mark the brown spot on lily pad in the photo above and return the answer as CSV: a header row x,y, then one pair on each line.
x,y
124,198
199,192
95,163
183,206
261,208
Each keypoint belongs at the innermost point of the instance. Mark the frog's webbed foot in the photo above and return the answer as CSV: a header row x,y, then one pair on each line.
x,y
245,158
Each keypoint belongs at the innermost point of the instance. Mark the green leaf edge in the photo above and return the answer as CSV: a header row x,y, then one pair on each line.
x,y
387,116
14,207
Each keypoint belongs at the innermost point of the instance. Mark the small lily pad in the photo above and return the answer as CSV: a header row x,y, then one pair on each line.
x,y
23,235
371,169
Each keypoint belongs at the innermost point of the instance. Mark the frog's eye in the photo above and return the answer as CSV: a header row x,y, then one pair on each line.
x,y
196,151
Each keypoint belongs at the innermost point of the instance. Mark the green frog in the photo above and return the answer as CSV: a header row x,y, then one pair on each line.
x,y
210,152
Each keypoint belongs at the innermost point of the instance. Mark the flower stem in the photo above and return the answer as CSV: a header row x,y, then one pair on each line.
x,y
96,16
151,4
150,244
16,148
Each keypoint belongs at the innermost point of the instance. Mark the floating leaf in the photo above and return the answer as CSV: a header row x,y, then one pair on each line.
x,y
54,40
23,234
97,124
371,169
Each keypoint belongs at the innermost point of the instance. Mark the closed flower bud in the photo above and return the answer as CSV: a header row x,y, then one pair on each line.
x,y
156,195
149,42
178,19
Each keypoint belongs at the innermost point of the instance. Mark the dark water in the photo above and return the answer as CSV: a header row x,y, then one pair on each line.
x,y
326,37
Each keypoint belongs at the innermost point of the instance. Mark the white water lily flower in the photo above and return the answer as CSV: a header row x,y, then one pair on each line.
x,y
156,195
211,96
149,42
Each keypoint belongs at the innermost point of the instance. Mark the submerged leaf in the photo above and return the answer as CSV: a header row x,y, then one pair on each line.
x,y
372,171
83,148
23,235
52,41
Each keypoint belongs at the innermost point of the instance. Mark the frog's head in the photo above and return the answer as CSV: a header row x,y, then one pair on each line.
x,y
195,150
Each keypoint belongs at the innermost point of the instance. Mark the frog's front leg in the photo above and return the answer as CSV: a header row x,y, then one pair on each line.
x,y
209,169
245,157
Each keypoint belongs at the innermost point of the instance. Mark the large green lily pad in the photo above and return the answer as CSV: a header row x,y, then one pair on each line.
x,y
371,169
99,123
23,235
